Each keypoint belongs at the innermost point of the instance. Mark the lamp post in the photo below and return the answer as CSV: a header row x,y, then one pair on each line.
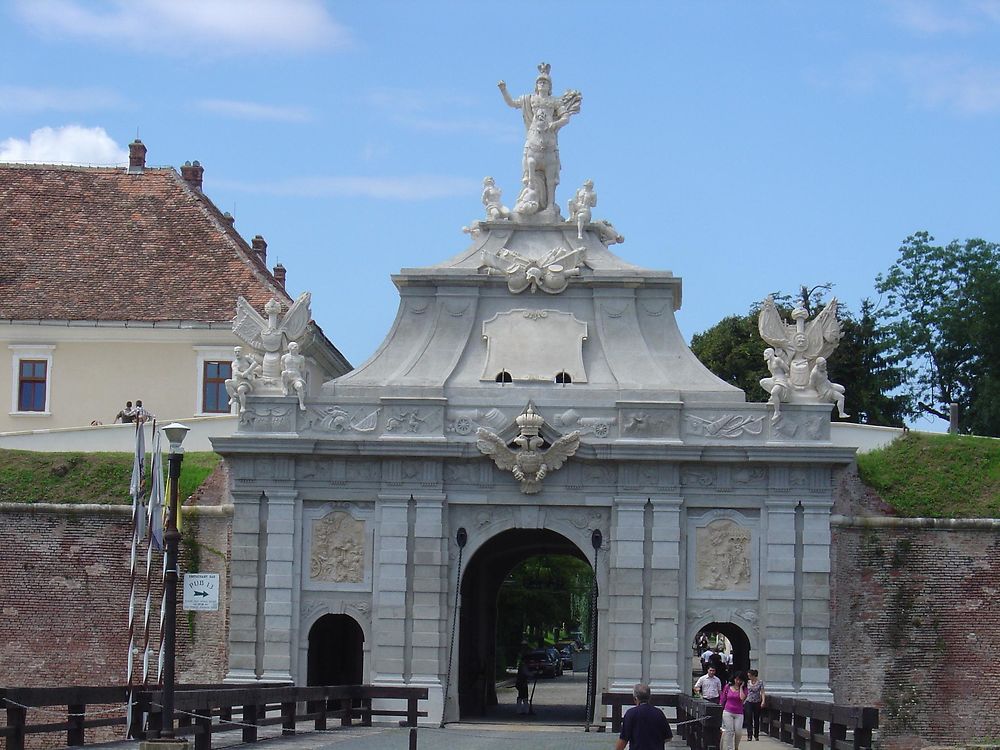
x,y
171,538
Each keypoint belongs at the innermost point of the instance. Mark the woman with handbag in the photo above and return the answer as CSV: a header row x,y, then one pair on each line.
x,y
753,704
731,700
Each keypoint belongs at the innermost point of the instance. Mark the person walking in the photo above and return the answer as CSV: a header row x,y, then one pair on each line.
x,y
709,686
753,704
521,683
731,700
644,726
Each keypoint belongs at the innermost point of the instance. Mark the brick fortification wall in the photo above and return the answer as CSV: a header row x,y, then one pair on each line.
x,y
64,589
915,618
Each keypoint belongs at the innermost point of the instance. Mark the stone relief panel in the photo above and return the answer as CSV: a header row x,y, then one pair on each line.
x,y
648,424
727,426
338,549
797,426
466,421
340,420
571,419
723,558
403,418
338,546
261,417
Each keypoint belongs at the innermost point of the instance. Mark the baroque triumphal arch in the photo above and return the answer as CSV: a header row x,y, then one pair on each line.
x,y
535,381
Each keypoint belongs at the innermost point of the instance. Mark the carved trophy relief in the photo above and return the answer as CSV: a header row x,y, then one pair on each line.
x,y
338,549
723,556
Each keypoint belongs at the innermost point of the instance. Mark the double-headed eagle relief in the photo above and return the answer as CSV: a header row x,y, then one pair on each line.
x,y
797,356
529,462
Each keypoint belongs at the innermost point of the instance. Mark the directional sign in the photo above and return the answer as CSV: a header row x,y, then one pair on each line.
x,y
201,592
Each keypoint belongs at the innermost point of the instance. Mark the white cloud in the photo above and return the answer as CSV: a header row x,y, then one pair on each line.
x,y
182,26
28,99
933,17
408,188
422,111
254,111
70,144
952,84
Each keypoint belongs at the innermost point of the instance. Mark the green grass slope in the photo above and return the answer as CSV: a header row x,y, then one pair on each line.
x,y
936,476
103,478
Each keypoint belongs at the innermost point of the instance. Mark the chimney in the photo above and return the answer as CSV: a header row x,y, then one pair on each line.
x,y
229,219
279,275
260,248
192,172
136,157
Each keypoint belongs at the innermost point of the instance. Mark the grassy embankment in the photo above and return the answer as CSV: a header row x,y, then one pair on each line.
x,y
103,478
936,476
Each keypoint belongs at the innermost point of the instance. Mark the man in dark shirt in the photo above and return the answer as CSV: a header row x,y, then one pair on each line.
x,y
644,726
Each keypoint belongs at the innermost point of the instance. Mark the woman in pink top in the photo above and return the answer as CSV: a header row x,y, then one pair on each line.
x,y
731,700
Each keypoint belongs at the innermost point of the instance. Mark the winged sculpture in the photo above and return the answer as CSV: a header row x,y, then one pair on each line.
x,y
528,462
269,336
795,351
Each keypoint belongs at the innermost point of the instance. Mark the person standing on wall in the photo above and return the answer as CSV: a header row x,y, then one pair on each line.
x,y
709,686
644,726
753,704
732,699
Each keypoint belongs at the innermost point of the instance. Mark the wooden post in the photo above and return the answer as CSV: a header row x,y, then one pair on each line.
x,y
411,711
17,718
288,718
250,717
799,731
75,716
816,734
413,739
203,729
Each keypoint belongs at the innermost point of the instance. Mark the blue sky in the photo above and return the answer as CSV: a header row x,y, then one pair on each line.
x,y
747,147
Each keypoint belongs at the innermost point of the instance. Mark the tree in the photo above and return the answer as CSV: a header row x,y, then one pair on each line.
x,y
944,307
733,350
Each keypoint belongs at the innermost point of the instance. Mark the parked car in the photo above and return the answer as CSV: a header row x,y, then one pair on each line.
x,y
544,661
566,654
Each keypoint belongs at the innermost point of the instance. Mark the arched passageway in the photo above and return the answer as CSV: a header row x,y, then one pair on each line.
x,y
336,651
481,581
738,640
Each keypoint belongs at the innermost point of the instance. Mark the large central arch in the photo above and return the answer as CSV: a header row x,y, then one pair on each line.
x,y
486,571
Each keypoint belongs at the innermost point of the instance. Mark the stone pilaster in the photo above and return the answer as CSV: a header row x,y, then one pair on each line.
x,y
624,636
243,595
777,593
814,676
665,564
279,582
389,590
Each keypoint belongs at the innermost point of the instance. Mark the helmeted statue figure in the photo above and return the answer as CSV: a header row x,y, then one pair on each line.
x,y
544,115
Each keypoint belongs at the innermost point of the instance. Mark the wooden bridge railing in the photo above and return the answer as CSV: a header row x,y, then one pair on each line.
x,y
202,710
803,724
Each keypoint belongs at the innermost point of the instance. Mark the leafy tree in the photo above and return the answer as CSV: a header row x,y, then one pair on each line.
x,y
539,596
944,307
733,350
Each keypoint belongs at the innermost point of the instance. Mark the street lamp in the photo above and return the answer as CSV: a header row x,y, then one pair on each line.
x,y
171,538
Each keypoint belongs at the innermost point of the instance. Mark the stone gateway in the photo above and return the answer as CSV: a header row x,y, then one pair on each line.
x,y
533,390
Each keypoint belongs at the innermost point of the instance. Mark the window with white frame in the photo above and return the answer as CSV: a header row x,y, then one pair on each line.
x,y
215,366
31,392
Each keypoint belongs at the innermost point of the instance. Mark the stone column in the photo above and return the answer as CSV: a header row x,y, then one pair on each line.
x,y
625,593
430,627
814,677
279,585
243,594
777,593
664,578
389,590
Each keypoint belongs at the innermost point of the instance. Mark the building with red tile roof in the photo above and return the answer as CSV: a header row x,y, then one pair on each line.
x,y
121,283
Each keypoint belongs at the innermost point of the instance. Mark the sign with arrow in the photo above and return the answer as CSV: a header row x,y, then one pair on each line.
x,y
201,592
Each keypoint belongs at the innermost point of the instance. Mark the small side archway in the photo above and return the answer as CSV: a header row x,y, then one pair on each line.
x,y
336,653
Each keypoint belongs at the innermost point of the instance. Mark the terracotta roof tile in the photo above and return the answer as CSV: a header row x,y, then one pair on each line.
x,y
82,243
